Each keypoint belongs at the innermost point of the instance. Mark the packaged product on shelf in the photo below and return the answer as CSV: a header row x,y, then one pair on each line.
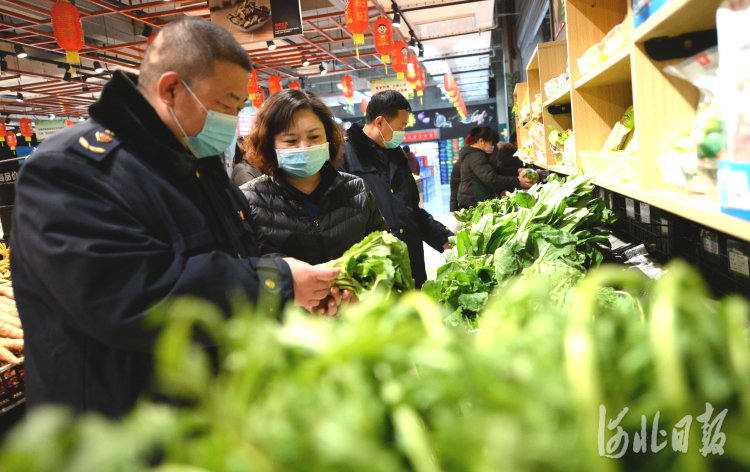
x,y
622,130
537,104
557,143
617,38
11,331
695,151
569,152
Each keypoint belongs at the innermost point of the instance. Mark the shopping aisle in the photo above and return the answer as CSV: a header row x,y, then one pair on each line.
x,y
439,208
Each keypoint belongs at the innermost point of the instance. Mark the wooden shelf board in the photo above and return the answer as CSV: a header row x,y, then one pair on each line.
x,y
560,98
678,17
534,61
697,208
560,169
615,70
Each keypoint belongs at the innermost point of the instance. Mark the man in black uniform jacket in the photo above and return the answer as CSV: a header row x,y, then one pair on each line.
x,y
117,214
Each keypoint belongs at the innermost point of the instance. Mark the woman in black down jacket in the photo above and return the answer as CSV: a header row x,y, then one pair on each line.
x,y
303,207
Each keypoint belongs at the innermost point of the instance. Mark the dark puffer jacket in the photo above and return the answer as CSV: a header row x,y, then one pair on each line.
x,y
456,177
346,214
475,165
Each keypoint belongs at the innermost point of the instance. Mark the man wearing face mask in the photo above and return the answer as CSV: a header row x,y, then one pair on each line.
x,y
116,215
373,153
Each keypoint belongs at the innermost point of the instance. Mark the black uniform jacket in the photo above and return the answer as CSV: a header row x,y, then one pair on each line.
x,y
112,217
387,174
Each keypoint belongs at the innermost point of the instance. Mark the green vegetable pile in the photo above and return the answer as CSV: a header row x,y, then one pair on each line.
x,y
390,388
531,174
379,260
501,238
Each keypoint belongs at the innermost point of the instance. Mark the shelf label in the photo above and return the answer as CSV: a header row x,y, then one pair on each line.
x,y
645,213
664,226
630,208
611,203
738,263
710,242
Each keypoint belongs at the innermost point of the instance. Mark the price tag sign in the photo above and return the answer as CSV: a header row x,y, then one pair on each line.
x,y
710,243
738,263
630,208
664,227
645,213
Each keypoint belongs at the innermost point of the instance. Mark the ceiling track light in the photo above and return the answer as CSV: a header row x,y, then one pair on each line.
x,y
421,51
396,23
322,69
147,31
67,76
306,63
3,65
98,67
20,53
19,97
51,116
271,45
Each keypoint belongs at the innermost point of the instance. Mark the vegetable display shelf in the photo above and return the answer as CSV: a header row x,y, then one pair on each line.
x,y
560,98
614,70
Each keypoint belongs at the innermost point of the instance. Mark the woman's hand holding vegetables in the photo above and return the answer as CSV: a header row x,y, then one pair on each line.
x,y
311,283
525,183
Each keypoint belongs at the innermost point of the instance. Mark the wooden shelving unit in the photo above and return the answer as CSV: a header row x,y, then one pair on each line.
x,y
664,105
560,98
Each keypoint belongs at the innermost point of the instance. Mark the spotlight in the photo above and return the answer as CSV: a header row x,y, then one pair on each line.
x,y
81,119
98,67
271,45
322,69
3,66
51,116
341,87
20,53
396,21
84,89
147,31
19,97
19,134
7,119
66,77
413,45
306,63
421,51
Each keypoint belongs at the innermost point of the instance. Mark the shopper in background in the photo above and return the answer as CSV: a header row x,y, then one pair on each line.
x,y
303,207
373,153
243,171
503,155
479,180
116,215
456,172
413,161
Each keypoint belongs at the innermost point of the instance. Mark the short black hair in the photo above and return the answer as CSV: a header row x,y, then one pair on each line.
x,y
407,149
386,104
191,47
513,137
475,131
488,135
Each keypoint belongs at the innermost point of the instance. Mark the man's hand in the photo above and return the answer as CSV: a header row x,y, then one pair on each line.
x,y
521,170
447,246
329,305
525,183
311,283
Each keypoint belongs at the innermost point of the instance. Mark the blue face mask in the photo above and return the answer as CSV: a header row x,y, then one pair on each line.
x,y
303,162
396,140
218,133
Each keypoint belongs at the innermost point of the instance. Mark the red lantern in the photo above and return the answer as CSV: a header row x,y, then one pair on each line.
x,y
150,39
411,71
26,129
11,140
357,18
259,98
66,24
348,89
449,82
382,32
3,131
252,83
400,58
274,84
364,104
69,123
295,85
420,83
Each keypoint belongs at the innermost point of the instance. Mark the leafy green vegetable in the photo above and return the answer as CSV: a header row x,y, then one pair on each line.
x,y
530,174
389,388
379,260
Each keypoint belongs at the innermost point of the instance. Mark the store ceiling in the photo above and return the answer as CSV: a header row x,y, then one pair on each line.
x,y
455,35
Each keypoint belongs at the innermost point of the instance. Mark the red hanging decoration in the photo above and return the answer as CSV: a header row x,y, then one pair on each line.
x,y
69,123
66,24
449,82
274,84
356,13
411,71
259,98
295,85
364,104
400,58
348,89
26,129
150,39
3,131
420,83
11,136
382,32
252,84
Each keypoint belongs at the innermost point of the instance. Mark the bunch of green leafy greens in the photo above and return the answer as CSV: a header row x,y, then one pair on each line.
x,y
558,138
530,174
390,388
380,260
557,221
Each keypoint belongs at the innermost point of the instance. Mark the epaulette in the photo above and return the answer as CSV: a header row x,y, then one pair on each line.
x,y
96,143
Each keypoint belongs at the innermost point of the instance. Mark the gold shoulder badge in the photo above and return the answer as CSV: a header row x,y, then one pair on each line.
x,y
85,144
109,132
103,137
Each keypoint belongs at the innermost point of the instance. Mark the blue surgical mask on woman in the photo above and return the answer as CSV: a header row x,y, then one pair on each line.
x,y
396,140
218,133
303,162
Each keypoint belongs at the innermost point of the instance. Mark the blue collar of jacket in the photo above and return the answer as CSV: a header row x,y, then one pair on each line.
x,y
363,148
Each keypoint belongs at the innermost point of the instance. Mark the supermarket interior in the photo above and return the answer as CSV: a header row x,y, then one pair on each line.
x,y
209,209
